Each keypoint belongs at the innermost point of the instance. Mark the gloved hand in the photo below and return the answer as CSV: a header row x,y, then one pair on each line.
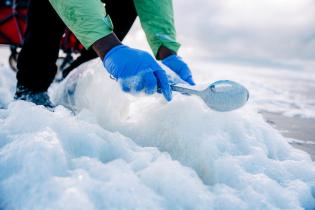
x,y
176,64
137,71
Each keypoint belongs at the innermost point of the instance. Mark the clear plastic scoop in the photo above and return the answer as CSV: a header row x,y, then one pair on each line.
x,y
222,95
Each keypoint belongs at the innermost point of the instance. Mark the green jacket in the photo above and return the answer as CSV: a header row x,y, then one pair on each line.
x,y
89,22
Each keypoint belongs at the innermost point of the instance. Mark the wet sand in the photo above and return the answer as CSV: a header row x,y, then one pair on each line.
x,y
300,131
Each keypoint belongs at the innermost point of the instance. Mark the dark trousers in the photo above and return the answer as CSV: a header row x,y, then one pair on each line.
x,y
37,59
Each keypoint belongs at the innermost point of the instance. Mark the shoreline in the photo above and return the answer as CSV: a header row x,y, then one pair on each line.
x,y
299,131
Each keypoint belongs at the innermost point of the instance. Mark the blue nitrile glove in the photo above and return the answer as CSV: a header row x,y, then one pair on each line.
x,y
176,64
137,71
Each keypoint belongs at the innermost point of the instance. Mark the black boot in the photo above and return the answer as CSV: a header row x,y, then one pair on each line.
x,y
36,97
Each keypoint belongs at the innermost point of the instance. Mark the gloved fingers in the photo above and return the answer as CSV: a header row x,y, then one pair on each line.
x,y
185,74
132,84
143,81
125,85
177,65
139,86
162,82
149,83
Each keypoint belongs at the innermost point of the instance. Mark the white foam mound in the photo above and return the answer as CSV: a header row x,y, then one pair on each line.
x,y
123,152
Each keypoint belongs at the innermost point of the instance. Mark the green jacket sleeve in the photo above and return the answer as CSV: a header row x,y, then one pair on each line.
x,y
157,21
85,18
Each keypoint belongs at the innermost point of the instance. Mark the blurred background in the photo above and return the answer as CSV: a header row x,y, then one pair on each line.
x,y
275,33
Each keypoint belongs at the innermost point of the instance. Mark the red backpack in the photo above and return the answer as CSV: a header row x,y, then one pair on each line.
x,y
13,14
